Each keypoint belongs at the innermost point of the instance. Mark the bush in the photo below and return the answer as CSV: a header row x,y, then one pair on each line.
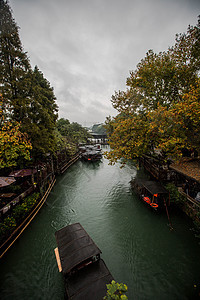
x,y
175,196
116,291
18,215
7,227
21,210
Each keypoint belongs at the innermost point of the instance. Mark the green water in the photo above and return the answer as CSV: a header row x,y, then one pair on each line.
x,y
136,243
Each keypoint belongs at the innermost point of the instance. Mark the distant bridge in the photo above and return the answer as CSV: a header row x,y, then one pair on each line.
x,y
99,135
100,138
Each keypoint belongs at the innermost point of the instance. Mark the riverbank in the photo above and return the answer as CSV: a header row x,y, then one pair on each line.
x,y
182,181
18,213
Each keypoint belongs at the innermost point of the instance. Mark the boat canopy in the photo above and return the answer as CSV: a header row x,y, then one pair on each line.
x,y
153,187
75,246
89,283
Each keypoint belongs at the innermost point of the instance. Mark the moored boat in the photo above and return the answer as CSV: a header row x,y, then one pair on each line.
x,y
152,193
91,153
78,258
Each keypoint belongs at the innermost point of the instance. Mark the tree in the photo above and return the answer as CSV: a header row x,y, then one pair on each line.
x,y
99,128
179,126
186,50
168,129
42,115
15,69
73,132
164,77
62,126
129,138
15,146
160,107
30,98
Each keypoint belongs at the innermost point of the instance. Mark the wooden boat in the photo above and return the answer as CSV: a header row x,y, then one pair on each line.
x,y
152,193
91,153
78,258
92,156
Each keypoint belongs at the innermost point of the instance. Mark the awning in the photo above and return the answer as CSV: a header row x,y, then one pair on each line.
x,y
89,283
154,187
4,181
23,173
75,246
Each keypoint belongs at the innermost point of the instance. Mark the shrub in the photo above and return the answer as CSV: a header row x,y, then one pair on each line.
x,y
21,210
7,226
175,196
19,213
116,291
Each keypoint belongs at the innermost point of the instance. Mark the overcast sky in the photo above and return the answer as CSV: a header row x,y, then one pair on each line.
x,y
86,48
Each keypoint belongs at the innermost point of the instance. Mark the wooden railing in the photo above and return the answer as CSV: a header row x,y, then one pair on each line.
x,y
189,198
69,163
19,230
15,201
159,172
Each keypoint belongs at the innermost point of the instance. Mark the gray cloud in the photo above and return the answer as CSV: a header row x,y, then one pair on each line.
x,y
85,48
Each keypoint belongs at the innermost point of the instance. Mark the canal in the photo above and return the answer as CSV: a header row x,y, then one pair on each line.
x,y
136,243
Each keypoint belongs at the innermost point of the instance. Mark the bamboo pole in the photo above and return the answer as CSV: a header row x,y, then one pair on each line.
x,y
58,259
171,227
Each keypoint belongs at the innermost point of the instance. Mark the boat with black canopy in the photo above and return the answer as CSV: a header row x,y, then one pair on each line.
x,y
78,258
91,153
153,193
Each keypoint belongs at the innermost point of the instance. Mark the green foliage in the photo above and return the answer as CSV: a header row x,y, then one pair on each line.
x,y
99,128
13,188
160,108
14,145
7,227
29,97
116,291
62,126
42,115
15,69
175,196
74,133
129,138
20,211
60,141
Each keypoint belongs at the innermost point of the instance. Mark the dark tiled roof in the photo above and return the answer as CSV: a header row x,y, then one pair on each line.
x,y
23,172
189,167
4,181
